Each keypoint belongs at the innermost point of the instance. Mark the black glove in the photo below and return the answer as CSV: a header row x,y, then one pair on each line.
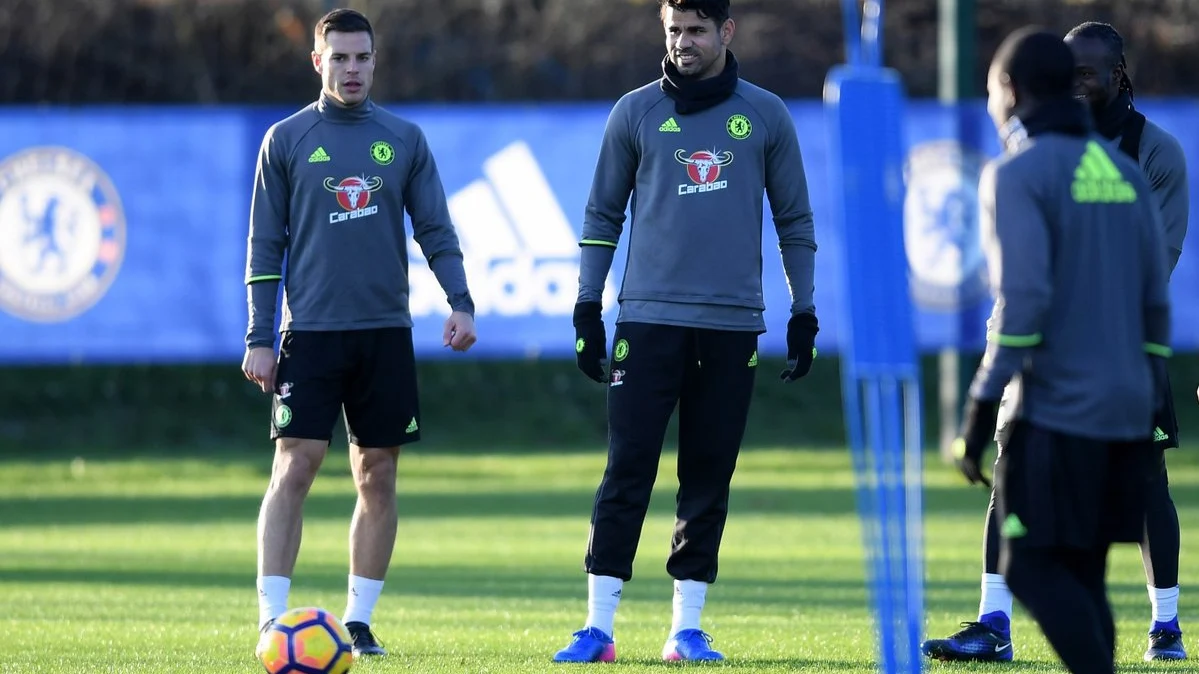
x,y
978,431
801,346
591,351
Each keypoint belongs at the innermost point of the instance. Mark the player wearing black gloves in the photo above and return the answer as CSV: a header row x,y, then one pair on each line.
x,y
1077,335
695,150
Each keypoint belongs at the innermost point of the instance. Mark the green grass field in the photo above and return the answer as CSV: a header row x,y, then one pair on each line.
x,y
147,565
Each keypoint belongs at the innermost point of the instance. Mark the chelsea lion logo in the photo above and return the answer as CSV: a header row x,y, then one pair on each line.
x,y
941,229
62,234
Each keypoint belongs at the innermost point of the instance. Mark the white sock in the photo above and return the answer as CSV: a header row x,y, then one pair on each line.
x,y
689,598
603,596
361,599
995,596
1164,602
272,597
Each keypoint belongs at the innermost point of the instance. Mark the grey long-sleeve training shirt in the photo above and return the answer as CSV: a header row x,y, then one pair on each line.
x,y
1164,164
331,189
696,182
1074,244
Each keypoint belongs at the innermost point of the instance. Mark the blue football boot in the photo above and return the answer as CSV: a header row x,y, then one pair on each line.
x,y
988,640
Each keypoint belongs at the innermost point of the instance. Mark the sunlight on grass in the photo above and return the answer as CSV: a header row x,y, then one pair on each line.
x,y
148,565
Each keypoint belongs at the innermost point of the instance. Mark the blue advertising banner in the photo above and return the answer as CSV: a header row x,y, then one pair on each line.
x,y
123,230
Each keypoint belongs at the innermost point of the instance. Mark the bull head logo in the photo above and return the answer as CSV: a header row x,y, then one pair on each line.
x,y
704,167
354,192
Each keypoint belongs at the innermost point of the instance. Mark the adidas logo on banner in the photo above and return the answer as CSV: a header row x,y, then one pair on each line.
x,y
670,126
319,155
521,252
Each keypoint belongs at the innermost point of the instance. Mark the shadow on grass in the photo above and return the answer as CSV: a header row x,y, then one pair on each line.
x,y
448,582
757,664
810,594
118,510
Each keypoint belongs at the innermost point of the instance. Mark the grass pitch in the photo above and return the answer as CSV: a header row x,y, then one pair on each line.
x,y
142,565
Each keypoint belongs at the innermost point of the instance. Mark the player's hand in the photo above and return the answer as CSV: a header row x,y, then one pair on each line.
x,y
591,349
801,346
978,430
259,367
459,332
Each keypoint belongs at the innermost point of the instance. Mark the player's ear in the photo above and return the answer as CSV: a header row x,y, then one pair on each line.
x,y
1008,93
726,32
316,61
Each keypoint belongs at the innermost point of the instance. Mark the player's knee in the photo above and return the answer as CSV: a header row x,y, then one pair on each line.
x,y
376,474
296,463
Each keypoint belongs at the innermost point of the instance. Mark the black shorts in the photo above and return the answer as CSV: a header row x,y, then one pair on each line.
x,y
1059,490
1165,431
370,374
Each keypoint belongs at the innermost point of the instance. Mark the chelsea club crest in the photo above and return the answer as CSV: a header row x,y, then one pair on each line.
x,y
62,234
941,228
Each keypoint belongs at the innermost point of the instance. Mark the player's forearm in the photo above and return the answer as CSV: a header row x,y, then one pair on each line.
x,y
262,297
603,223
799,264
451,275
595,261
998,367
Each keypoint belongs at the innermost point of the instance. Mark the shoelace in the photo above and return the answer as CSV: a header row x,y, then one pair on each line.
x,y
702,634
593,632
972,628
365,637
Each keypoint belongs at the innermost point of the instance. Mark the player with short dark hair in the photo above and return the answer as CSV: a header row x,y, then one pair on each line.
x,y
332,186
695,150
1101,80
1076,252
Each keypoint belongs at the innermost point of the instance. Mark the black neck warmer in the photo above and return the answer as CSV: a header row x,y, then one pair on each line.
x,y
694,95
1110,121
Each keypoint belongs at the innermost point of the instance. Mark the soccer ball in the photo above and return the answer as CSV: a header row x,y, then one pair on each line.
x,y
306,641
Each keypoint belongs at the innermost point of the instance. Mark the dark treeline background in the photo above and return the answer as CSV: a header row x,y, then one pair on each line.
x,y
255,51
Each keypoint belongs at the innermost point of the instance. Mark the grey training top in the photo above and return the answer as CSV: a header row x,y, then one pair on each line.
x,y
1074,245
1164,164
331,189
696,183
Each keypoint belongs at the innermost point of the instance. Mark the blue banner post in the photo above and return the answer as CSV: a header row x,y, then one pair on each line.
x,y
880,371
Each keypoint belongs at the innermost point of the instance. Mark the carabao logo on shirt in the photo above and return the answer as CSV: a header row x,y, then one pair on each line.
x,y
354,197
703,168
